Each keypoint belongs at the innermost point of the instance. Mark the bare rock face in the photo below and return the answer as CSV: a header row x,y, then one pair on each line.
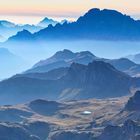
x,y
134,103
98,79
128,131
71,135
15,132
38,128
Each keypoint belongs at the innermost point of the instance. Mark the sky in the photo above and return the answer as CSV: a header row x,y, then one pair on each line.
x,y
31,11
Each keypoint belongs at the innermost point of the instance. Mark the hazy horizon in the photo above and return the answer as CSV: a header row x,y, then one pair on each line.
x,y
33,19
36,19
32,12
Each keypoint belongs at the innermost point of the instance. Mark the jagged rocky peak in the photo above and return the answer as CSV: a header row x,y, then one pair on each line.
x,y
126,61
67,54
96,11
133,103
93,64
103,17
47,21
77,67
24,32
96,67
100,66
86,53
64,54
21,35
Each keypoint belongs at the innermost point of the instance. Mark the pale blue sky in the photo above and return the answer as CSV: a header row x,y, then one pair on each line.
x,y
17,9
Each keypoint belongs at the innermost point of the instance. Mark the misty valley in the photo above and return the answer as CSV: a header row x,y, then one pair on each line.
x,y
71,80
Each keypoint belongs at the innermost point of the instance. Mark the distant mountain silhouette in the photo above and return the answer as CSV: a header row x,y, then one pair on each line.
x,y
24,35
126,65
62,59
135,58
8,29
66,57
6,23
46,21
96,24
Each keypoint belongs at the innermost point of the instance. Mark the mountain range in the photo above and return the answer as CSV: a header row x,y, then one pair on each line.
x,y
67,75
70,95
8,29
135,58
96,24
76,82
66,57
46,22
62,59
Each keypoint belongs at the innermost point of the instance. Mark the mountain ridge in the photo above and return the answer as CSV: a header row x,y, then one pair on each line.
x,y
66,57
78,82
96,24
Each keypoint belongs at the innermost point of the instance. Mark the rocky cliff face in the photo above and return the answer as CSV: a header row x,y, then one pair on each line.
x,y
128,131
71,135
10,131
134,103
98,79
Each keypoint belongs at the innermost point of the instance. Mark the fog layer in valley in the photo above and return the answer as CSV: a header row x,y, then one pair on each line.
x,y
31,53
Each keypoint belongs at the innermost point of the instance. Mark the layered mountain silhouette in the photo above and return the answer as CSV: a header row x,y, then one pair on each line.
x,y
62,59
126,65
135,58
46,21
66,57
96,24
96,80
8,29
25,35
